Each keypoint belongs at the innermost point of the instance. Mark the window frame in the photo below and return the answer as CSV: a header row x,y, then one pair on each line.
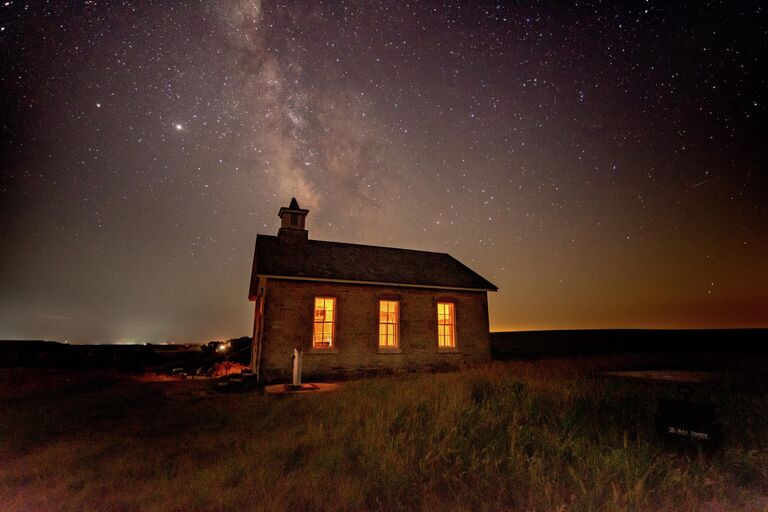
x,y
396,324
332,343
447,348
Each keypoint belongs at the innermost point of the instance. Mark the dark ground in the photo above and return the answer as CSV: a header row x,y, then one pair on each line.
x,y
678,344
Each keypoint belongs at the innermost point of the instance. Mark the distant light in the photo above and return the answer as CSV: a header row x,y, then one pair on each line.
x,y
98,105
179,127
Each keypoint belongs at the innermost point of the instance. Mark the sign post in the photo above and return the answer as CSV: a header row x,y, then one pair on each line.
x,y
296,367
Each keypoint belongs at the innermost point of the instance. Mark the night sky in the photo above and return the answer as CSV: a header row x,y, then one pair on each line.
x,y
602,163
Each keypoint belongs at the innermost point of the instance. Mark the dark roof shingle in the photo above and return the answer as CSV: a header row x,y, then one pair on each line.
x,y
352,262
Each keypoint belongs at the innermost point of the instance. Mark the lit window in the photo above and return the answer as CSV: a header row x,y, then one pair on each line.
x,y
323,324
446,325
389,313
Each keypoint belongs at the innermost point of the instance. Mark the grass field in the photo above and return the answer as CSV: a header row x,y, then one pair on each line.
x,y
549,435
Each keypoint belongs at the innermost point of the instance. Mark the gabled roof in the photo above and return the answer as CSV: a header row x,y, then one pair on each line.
x,y
334,261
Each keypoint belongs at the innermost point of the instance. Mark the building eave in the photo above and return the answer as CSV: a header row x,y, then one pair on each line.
x,y
376,283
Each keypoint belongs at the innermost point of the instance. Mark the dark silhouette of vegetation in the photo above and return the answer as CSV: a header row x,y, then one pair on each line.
x,y
130,359
554,434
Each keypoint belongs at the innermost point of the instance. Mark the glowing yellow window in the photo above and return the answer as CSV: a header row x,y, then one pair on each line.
x,y
446,325
325,315
389,320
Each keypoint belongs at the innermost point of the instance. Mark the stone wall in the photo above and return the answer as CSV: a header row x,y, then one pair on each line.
x,y
288,323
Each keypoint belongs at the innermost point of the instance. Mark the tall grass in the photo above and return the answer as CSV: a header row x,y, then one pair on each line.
x,y
548,435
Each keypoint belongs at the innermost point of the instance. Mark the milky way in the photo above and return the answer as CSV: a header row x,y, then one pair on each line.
x,y
602,163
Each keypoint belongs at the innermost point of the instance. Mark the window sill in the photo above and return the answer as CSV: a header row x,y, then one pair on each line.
x,y
322,351
447,350
390,350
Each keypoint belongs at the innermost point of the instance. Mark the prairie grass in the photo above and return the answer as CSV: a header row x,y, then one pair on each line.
x,y
548,435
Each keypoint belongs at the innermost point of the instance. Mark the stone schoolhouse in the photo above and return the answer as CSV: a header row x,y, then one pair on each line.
x,y
355,308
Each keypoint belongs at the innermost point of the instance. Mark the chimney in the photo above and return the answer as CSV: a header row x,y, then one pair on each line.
x,y
292,222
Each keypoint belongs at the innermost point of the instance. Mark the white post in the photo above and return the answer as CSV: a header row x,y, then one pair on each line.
x,y
296,367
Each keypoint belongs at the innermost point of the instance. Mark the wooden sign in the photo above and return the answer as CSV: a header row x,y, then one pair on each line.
x,y
688,425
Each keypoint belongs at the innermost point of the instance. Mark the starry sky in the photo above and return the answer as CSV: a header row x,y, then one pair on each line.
x,y
603,163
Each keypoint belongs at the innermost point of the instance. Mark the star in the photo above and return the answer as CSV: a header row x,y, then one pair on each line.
x,y
561,116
